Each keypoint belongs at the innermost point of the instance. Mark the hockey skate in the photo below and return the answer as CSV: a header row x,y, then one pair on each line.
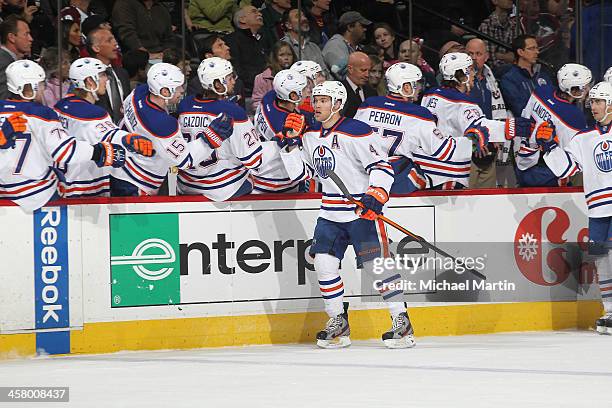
x,y
401,334
336,333
603,325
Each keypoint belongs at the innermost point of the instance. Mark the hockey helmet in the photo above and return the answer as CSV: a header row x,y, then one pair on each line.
x,y
608,75
453,62
401,73
288,81
309,69
212,69
84,68
21,73
574,76
163,75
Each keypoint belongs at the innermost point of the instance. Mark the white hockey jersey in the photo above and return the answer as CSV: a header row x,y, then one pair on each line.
x,y
221,175
145,118
409,130
90,123
271,176
544,105
590,152
351,150
29,171
455,112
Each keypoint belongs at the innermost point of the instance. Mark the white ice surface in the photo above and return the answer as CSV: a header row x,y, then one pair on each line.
x,y
544,369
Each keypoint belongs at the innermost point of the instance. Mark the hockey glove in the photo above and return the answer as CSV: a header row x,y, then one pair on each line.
x,y
373,201
519,127
108,154
13,124
479,136
138,144
546,136
291,135
219,130
294,126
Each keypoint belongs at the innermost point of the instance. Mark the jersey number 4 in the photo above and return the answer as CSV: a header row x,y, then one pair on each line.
x,y
395,134
22,143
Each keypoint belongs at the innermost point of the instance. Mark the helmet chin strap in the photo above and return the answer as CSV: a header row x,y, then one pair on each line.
x,y
412,95
332,112
95,90
224,93
34,91
606,115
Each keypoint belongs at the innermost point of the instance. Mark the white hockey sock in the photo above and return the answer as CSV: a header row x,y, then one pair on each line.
x,y
392,297
330,283
604,278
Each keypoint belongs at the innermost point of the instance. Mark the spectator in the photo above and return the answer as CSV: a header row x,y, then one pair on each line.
x,y
49,60
18,8
356,82
78,10
351,32
248,56
135,63
214,46
309,50
502,27
97,21
487,95
103,46
16,44
215,16
410,51
524,75
385,42
376,73
143,25
71,38
272,15
281,57
322,22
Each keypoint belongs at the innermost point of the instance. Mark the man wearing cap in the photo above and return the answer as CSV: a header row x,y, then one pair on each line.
x,y
351,31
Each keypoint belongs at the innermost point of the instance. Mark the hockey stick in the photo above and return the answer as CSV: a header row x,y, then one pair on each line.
x,y
332,175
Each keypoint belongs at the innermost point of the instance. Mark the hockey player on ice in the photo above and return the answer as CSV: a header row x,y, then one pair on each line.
x,y
145,113
590,151
409,133
225,173
458,115
276,105
350,149
558,106
34,148
90,123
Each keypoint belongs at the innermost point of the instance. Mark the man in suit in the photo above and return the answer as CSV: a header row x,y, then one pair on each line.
x,y
103,46
16,44
356,82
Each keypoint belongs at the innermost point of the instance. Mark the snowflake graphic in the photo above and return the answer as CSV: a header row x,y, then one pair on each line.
x,y
528,246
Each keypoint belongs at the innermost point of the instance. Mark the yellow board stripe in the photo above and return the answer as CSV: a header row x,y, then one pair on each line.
x,y
301,327
17,345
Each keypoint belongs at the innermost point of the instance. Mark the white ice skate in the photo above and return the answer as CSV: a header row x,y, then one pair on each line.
x,y
336,333
401,334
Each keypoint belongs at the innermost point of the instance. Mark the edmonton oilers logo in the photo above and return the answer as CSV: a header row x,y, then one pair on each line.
x,y
323,160
603,156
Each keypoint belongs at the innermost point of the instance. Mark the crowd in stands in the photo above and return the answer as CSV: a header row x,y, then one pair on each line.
x,y
353,42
